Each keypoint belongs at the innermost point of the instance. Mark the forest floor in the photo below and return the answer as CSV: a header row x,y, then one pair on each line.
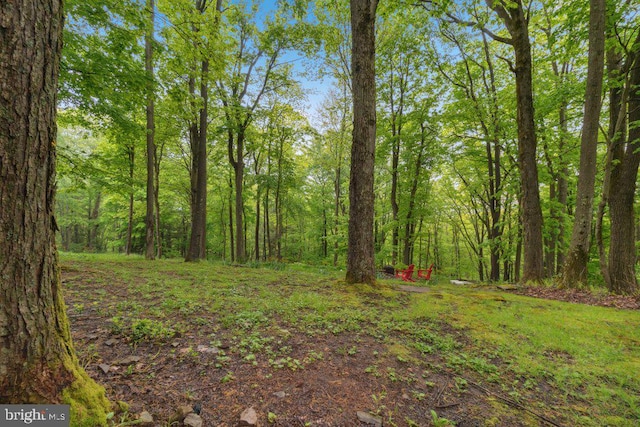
x,y
304,349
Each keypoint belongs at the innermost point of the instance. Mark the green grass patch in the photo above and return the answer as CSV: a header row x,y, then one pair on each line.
x,y
585,358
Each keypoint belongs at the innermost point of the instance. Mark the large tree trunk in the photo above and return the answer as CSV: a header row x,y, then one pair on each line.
x,y
151,146
624,173
516,22
37,359
574,272
360,254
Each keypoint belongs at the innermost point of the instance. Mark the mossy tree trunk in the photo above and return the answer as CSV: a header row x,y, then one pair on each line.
x,y
37,360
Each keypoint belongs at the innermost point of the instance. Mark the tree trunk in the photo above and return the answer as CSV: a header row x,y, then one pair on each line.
x,y
410,226
151,146
93,226
131,153
360,253
37,360
197,243
574,272
514,18
624,173
239,201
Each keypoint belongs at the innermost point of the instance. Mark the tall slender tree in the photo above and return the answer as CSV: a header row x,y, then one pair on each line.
x,y
360,254
574,272
150,221
37,360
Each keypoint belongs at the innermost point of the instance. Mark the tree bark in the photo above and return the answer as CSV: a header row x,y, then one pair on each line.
x,y
574,272
197,243
37,360
129,244
513,16
624,173
360,253
151,146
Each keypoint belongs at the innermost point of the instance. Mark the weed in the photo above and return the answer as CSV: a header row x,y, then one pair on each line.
x,y
418,395
227,378
461,384
377,402
147,329
373,370
117,325
393,375
439,421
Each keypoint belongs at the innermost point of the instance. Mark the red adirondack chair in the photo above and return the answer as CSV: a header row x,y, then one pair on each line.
x,y
406,274
425,273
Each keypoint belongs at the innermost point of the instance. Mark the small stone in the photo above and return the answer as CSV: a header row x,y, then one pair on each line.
x,y
367,418
175,344
248,418
279,394
129,360
105,368
145,418
92,336
193,420
208,350
110,342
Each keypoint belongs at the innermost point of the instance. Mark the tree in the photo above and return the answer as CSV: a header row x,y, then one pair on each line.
x,y
360,256
197,249
622,185
575,268
517,22
37,360
150,220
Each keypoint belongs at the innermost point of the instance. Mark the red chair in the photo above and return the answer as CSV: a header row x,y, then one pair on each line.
x,y
425,274
406,274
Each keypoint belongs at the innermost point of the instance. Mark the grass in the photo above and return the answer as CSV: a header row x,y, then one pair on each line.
x,y
586,359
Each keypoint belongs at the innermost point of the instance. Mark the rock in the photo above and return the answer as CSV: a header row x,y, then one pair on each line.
x,y
508,287
175,344
208,350
145,419
193,420
129,360
279,394
110,342
367,418
248,418
461,282
92,336
105,368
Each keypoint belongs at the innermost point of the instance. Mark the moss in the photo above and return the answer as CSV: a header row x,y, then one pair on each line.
x,y
87,399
